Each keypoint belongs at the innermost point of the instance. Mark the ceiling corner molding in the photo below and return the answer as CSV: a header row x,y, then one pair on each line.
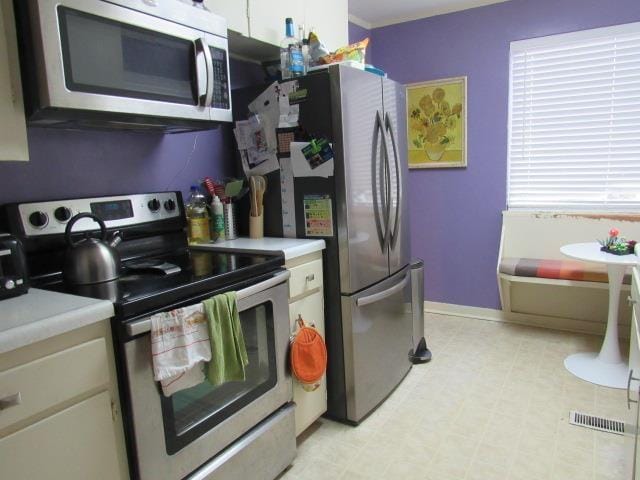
x,y
360,22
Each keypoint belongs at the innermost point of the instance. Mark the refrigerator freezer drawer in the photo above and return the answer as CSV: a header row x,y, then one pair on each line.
x,y
377,329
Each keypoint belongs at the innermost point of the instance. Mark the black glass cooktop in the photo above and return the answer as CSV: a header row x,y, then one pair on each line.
x,y
151,284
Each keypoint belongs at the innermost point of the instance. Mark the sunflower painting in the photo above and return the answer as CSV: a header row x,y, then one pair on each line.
x,y
437,123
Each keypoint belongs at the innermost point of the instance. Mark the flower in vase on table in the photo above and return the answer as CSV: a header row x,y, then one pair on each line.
x,y
617,244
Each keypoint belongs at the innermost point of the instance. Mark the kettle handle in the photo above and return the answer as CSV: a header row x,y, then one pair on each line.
x,y
67,231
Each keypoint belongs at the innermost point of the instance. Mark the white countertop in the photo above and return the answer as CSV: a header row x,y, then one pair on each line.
x,y
290,247
41,314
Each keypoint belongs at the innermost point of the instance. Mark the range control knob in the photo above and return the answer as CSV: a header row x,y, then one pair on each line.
x,y
38,219
10,285
62,214
169,205
154,205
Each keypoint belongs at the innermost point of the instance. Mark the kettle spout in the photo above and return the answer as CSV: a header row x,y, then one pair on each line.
x,y
116,238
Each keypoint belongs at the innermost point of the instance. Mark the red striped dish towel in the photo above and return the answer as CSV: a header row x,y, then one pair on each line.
x,y
179,347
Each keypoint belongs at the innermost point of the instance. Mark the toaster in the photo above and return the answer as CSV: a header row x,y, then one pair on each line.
x,y
14,278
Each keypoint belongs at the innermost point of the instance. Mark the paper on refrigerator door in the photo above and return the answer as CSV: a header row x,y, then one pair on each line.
x,y
318,216
289,114
257,148
253,163
267,104
302,167
288,199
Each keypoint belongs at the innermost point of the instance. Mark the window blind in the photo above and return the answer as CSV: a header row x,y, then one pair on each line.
x,y
574,121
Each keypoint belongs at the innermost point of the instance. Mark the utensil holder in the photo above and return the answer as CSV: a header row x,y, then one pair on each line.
x,y
256,226
230,223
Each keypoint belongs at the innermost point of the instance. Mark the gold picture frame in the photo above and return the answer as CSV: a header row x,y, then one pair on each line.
x,y
437,123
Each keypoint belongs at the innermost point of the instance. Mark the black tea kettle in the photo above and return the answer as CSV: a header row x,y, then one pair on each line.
x,y
91,260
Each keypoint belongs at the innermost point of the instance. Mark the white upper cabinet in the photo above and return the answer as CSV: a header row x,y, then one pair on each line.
x,y
266,19
330,20
263,21
235,11
13,134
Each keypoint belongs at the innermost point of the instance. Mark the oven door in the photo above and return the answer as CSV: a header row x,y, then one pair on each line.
x,y
97,56
175,435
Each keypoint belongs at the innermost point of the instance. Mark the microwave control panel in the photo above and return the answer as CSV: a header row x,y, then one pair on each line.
x,y
220,79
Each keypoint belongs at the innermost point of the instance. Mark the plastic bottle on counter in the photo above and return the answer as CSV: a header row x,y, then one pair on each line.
x,y
198,219
217,224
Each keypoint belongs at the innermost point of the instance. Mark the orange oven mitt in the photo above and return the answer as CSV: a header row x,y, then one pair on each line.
x,y
308,356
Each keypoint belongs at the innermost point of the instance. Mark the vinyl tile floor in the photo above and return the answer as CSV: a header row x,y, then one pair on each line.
x,y
493,404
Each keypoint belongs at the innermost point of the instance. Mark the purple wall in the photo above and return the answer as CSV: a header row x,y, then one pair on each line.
x,y
455,214
77,163
357,33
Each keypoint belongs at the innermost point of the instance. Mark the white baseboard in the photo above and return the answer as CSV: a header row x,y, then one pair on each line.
x,y
492,314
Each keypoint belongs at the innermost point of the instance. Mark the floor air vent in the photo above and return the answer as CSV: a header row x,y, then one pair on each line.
x,y
597,423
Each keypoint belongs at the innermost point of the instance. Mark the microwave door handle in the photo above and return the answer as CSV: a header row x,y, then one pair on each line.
x,y
205,95
144,325
209,62
201,83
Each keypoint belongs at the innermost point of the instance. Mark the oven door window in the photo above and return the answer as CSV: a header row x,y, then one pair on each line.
x,y
107,57
190,413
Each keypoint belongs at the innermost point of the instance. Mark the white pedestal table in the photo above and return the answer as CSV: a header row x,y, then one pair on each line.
x,y
606,368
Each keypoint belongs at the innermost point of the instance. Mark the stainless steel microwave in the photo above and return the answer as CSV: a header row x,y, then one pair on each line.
x,y
140,64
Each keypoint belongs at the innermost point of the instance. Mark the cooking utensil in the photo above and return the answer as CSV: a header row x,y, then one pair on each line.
x,y
233,188
230,225
91,260
254,188
215,188
261,186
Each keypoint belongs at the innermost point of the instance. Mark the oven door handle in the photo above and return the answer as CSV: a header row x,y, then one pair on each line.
x,y
144,325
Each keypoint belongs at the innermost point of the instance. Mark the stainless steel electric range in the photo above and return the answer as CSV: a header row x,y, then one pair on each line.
x,y
233,431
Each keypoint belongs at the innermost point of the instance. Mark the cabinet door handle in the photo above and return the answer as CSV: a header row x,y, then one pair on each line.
x,y
631,301
10,401
311,277
629,379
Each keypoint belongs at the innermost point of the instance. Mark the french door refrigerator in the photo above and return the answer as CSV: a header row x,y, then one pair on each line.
x,y
368,320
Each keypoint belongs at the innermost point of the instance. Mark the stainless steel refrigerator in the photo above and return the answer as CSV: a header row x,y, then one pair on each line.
x,y
368,319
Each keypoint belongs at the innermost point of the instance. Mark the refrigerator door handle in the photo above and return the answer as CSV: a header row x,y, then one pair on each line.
x,y
376,297
396,223
377,130
385,174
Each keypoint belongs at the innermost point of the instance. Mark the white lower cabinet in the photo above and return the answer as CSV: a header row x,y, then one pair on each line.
x,y
77,443
633,392
309,405
307,299
59,409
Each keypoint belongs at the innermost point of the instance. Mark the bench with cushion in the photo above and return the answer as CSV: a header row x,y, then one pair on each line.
x,y
557,269
540,286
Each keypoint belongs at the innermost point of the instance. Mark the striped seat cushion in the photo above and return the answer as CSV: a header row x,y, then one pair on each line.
x,y
557,269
